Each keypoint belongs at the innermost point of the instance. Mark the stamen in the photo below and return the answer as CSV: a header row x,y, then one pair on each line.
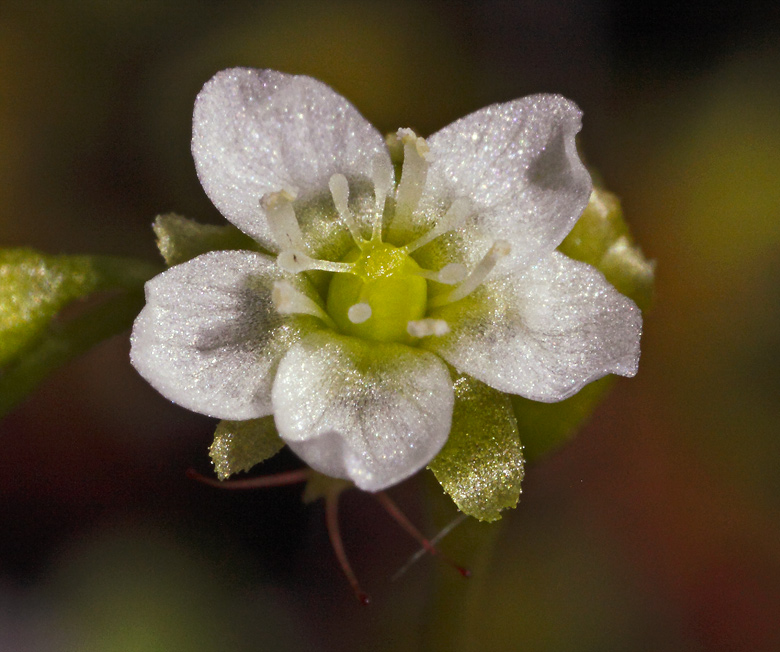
x,y
499,249
281,218
453,218
339,189
334,533
289,301
427,327
359,313
382,175
449,274
413,175
296,262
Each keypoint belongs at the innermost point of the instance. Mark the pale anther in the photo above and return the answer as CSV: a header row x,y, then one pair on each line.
x,y
408,137
296,261
281,218
427,327
339,189
382,176
499,249
452,219
289,301
359,313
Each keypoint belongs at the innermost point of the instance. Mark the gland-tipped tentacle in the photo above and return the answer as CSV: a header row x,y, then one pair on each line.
x,y
400,518
434,540
334,533
276,480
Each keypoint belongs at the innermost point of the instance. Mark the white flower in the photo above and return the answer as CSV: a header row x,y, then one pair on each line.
x,y
345,336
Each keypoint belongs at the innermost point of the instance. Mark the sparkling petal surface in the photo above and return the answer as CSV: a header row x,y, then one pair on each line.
x,y
209,337
543,333
259,131
517,164
369,412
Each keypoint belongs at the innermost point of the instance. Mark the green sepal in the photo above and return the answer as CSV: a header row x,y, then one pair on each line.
x,y
179,238
239,445
601,238
481,465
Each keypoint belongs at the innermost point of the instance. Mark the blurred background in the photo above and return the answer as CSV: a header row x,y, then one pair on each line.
x,y
655,529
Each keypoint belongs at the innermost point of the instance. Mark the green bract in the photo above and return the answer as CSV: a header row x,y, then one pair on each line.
x,y
239,445
481,465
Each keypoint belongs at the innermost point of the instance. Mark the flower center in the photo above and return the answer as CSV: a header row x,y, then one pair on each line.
x,y
377,291
380,295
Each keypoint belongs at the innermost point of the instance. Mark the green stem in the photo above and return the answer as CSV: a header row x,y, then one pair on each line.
x,y
450,625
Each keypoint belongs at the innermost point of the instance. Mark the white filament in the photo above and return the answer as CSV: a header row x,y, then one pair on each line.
x,y
296,261
281,218
448,275
453,219
499,249
339,189
382,175
413,175
287,300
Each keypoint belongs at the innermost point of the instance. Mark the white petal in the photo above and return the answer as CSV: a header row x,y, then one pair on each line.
x,y
261,131
517,163
543,334
209,337
369,412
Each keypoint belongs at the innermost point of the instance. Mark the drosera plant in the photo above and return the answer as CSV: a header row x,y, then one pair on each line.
x,y
381,305
381,320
